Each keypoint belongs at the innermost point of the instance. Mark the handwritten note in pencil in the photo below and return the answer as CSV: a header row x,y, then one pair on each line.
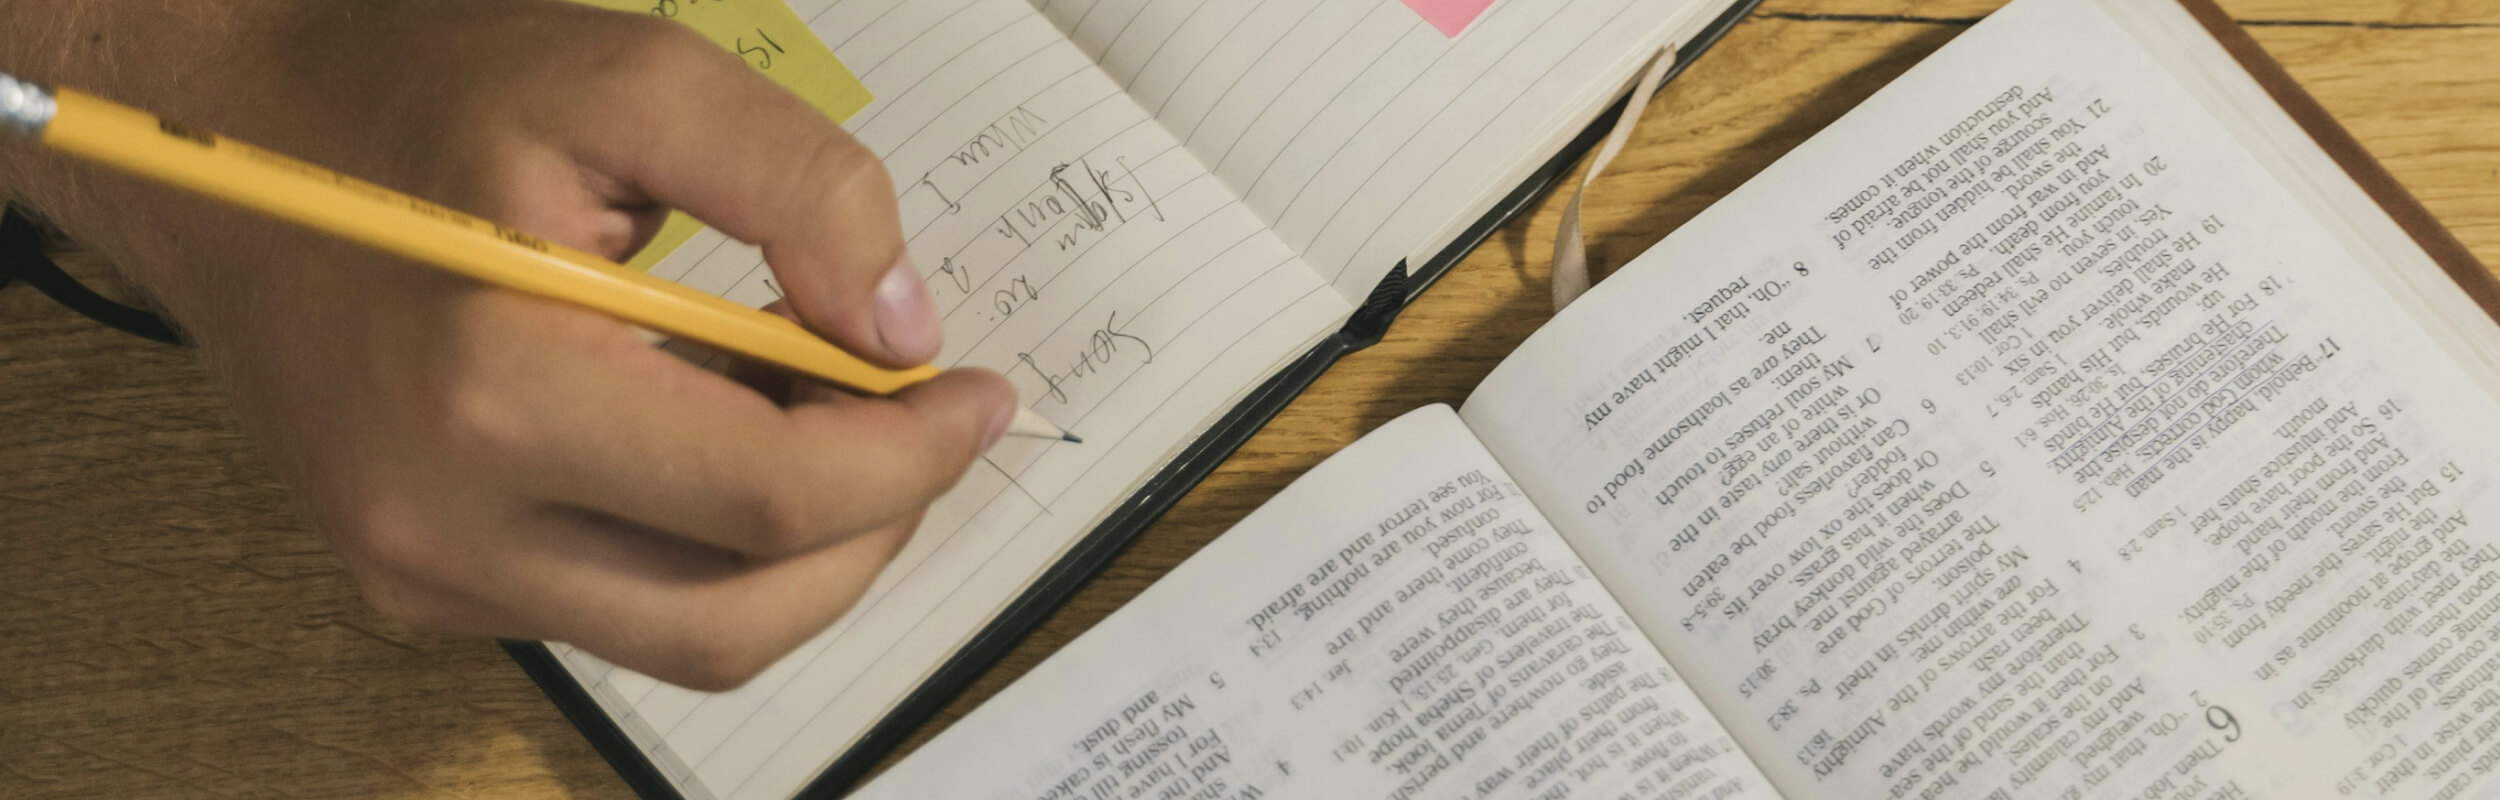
x,y
777,43
1451,16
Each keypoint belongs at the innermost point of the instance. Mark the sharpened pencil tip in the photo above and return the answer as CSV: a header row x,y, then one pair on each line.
x,y
1032,425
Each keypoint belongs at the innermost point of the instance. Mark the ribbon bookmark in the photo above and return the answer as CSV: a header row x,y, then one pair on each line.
x,y
1571,263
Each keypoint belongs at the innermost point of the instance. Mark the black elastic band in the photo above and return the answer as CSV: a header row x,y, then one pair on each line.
x,y
22,258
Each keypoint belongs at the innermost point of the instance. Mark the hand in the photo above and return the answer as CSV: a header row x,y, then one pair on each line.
x,y
494,464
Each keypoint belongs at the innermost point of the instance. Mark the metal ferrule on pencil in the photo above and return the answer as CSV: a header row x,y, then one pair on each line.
x,y
24,106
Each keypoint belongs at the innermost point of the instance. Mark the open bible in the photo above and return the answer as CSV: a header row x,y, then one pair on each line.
x,y
2084,415
1160,219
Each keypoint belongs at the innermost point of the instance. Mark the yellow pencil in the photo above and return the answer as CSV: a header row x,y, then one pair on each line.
x,y
141,144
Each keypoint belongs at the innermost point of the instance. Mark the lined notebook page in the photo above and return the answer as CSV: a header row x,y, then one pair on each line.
x,y
1074,246
1360,132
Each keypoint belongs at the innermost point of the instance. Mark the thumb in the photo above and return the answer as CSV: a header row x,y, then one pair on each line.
x,y
973,400
711,137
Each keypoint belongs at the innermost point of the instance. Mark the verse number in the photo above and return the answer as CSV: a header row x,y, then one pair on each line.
x,y
2218,718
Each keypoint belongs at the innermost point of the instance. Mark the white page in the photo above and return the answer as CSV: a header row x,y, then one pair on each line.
x,y
1128,296
1363,134
2168,497
1398,623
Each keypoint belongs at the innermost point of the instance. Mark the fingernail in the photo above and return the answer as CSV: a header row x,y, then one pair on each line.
x,y
907,321
999,422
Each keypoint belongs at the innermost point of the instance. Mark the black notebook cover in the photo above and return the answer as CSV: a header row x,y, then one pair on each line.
x,y
1126,521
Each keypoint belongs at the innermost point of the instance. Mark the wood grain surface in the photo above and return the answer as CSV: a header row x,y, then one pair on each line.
x,y
170,628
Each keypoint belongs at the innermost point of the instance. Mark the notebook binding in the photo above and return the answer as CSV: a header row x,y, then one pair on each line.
x,y
1371,320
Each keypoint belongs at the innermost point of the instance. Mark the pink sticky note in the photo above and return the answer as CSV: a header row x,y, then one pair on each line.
x,y
1451,16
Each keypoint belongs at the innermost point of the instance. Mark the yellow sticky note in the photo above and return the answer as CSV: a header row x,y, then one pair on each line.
x,y
775,42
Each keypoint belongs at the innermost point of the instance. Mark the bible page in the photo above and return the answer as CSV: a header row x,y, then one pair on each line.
x,y
2020,435
1398,623
1362,133
1072,246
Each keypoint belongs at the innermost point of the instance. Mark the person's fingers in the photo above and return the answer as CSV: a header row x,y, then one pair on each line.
x,y
402,596
778,382
684,612
771,380
625,428
688,614
692,127
536,187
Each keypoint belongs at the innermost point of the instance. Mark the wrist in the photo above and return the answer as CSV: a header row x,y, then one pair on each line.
x,y
183,60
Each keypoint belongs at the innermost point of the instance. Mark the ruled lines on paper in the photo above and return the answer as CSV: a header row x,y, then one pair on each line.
x,y
1362,134
1072,245
1133,209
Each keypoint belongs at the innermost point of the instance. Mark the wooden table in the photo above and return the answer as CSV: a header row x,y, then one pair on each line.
x,y
169,628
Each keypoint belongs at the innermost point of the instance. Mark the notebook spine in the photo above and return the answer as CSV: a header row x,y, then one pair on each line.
x,y
1367,326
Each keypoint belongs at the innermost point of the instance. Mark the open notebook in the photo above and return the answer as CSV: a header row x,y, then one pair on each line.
x,y
1160,219
2083,415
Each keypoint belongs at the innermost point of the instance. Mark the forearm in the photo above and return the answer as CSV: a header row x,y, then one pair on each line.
x,y
293,75
167,57
182,59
